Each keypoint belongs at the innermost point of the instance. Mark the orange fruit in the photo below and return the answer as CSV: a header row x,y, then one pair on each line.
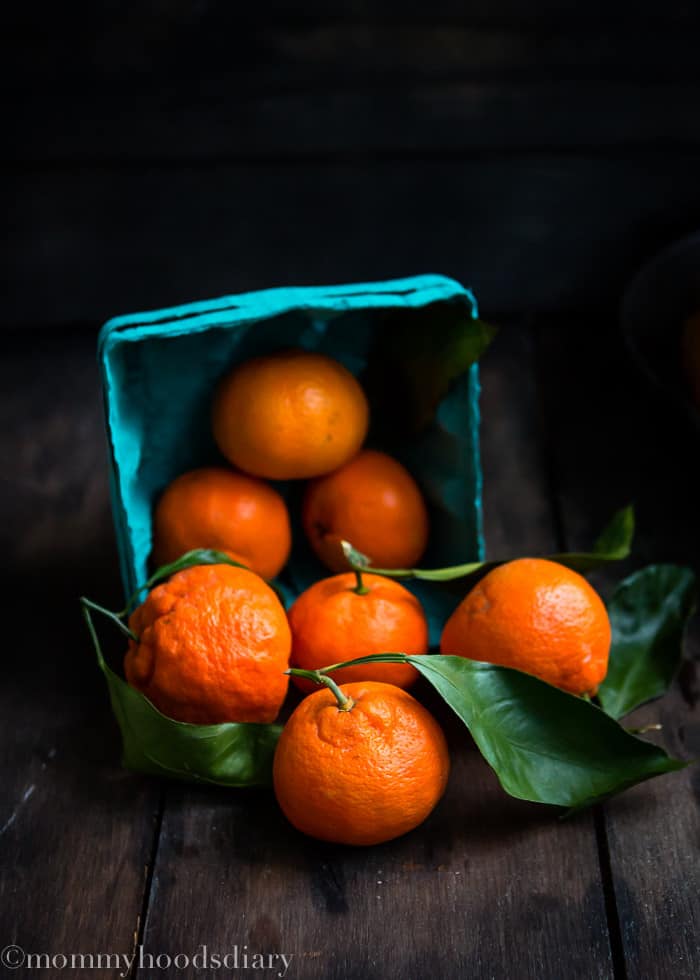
x,y
374,503
331,622
690,350
363,775
290,415
213,646
536,616
230,512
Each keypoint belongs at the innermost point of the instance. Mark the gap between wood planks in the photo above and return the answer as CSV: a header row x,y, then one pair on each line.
x,y
149,871
617,950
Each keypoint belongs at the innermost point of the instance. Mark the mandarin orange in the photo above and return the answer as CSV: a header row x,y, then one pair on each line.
x,y
539,617
213,645
332,622
374,503
290,415
217,508
362,775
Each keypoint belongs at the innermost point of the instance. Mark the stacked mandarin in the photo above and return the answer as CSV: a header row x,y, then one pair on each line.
x,y
297,415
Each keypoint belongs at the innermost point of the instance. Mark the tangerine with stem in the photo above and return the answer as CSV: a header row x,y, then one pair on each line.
x,y
356,614
360,763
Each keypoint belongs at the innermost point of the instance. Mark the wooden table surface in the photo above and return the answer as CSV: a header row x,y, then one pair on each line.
x,y
97,859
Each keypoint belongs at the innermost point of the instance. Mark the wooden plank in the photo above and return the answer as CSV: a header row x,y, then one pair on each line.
x,y
76,831
612,442
489,886
540,232
241,91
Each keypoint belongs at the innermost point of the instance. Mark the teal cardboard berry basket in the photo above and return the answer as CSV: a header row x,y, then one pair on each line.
x,y
402,338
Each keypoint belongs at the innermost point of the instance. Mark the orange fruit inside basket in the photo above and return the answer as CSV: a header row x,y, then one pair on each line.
x,y
374,503
216,508
290,415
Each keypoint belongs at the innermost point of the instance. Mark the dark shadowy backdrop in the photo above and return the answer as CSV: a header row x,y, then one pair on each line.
x,y
158,151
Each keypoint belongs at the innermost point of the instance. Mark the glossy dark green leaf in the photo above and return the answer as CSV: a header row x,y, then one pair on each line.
x,y
648,613
613,545
231,754
543,744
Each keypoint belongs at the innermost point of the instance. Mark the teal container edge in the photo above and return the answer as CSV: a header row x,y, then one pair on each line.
x,y
146,379
246,307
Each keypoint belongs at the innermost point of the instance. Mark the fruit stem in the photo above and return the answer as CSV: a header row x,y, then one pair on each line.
x,y
345,703
360,588
115,617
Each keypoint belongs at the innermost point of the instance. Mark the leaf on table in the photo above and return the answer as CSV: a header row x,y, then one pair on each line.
x,y
648,613
543,744
231,754
613,544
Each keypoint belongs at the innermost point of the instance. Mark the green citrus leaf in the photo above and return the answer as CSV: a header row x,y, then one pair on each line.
x,y
615,540
232,754
614,544
648,613
543,744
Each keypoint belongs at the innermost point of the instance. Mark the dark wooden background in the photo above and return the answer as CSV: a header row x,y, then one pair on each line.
x,y
164,151
159,152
